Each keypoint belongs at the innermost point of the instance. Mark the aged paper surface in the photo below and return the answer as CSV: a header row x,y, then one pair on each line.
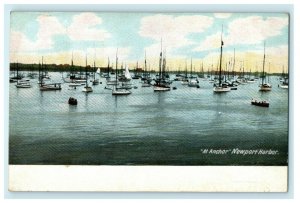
x,y
103,101
149,178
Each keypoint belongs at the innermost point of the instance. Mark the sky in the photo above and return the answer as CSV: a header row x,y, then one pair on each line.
x,y
184,38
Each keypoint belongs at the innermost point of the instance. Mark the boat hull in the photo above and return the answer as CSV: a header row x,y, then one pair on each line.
x,y
221,89
87,89
120,92
158,88
72,101
50,87
284,86
23,86
260,103
265,87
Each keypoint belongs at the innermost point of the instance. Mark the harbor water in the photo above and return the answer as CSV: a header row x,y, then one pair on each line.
x,y
186,126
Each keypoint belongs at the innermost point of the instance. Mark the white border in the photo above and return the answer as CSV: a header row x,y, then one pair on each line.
x,y
148,178
203,8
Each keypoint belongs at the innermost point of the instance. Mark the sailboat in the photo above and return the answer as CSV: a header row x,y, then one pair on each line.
x,y
146,79
110,81
119,91
106,75
21,83
185,80
264,86
262,103
95,81
284,80
15,77
193,82
221,87
72,80
127,73
47,86
136,75
161,84
86,88
201,75
98,71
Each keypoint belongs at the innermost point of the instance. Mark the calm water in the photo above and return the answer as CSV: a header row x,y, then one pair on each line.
x,y
147,127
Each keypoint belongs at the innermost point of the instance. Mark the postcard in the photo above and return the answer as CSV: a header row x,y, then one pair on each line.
x,y
140,101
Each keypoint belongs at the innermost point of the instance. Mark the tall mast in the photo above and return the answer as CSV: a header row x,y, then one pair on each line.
x,y
227,69
108,67
17,70
263,77
42,67
39,72
117,65
86,71
160,60
191,66
94,69
233,63
221,57
41,80
145,65
94,65
164,64
269,73
72,71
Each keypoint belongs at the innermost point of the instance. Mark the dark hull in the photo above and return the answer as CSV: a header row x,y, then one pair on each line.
x,y
262,104
72,101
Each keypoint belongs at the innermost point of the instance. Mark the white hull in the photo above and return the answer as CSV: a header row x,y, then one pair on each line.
x,y
87,89
157,88
121,92
23,85
79,81
193,84
265,87
184,83
221,89
284,86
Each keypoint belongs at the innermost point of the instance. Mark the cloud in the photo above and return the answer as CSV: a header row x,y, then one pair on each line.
x,y
254,29
210,42
250,30
222,15
19,42
48,27
83,28
173,30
